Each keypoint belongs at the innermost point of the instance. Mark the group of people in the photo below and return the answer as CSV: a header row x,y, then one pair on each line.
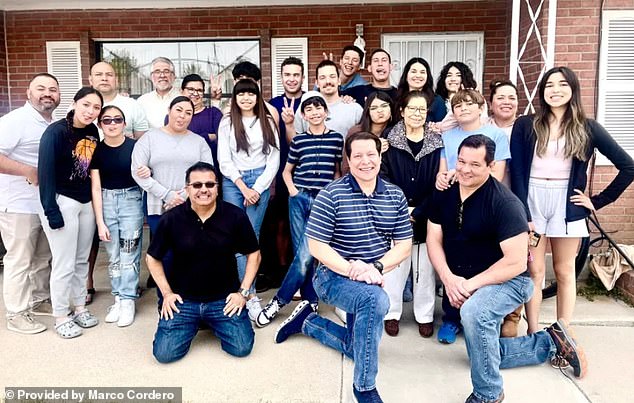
x,y
377,184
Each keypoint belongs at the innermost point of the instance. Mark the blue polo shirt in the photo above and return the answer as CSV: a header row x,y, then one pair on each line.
x,y
359,226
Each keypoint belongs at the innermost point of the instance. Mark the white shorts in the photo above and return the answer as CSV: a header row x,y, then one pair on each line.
x,y
547,204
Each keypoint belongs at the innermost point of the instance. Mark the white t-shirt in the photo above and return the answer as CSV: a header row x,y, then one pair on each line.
x,y
341,117
155,106
20,134
135,119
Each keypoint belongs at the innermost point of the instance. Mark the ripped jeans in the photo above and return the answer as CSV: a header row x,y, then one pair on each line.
x,y
123,215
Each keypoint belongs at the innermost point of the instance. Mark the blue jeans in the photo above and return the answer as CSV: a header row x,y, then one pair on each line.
x,y
233,195
123,215
173,337
300,272
366,306
482,316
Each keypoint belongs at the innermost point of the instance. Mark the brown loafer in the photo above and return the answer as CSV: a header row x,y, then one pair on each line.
x,y
426,330
391,327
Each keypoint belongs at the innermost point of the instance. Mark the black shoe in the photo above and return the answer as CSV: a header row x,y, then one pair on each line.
x,y
567,348
262,283
293,324
369,396
474,399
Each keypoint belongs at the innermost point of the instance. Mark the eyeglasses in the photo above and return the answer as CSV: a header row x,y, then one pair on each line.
x,y
199,185
162,72
414,109
377,107
109,121
194,90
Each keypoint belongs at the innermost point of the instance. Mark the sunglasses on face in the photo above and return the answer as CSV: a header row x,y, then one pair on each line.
x,y
109,121
199,185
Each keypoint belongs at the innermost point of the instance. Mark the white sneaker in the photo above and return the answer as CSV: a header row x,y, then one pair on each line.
x,y
341,314
254,308
126,316
113,311
25,324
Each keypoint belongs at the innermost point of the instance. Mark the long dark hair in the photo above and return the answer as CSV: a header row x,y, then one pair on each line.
x,y
403,86
83,92
366,120
466,76
261,112
573,123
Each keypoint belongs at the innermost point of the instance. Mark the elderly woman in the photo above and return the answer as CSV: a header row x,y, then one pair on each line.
x,y
411,163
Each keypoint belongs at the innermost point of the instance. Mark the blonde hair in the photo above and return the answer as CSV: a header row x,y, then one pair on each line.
x,y
573,123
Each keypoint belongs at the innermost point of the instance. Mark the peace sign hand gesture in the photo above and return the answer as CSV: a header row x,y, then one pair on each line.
x,y
288,111
215,86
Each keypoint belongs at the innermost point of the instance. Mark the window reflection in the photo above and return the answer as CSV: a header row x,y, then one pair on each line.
x,y
131,61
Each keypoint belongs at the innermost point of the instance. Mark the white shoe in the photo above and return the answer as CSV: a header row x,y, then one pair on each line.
x,y
114,311
126,316
341,314
254,307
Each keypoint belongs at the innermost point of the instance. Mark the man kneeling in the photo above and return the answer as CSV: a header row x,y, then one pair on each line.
x,y
477,240
203,234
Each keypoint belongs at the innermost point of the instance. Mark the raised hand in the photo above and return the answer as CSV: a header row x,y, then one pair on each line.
x,y
215,86
288,111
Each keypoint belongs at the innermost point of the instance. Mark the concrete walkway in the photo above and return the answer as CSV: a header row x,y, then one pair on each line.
x,y
411,369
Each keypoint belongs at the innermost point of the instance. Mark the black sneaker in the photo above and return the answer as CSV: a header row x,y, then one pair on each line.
x,y
269,312
474,399
567,348
368,396
293,324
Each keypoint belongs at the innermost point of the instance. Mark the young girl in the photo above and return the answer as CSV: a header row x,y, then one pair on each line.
x,y
313,161
550,155
66,150
249,156
117,201
455,76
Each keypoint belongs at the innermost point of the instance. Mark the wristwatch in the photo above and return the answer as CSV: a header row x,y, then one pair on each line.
x,y
378,265
243,292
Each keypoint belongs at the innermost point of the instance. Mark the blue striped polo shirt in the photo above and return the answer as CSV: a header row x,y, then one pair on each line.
x,y
315,157
359,226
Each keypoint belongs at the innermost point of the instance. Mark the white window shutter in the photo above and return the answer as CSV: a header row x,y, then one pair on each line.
x,y
615,109
281,48
64,62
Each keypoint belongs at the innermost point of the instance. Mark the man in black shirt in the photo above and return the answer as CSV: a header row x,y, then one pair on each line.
x,y
204,234
477,240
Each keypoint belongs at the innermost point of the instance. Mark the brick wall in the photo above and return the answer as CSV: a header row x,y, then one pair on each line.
x,y
328,28
4,82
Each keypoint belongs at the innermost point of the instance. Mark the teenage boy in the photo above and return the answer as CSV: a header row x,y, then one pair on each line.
x,y
313,161
380,68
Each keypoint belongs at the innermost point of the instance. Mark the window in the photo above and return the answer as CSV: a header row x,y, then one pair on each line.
x,y
132,60
615,106
437,49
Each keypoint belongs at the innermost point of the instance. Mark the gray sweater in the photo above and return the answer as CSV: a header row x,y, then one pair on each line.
x,y
169,156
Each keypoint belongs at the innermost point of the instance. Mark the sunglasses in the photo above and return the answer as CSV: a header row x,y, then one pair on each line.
x,y
109,121
199,185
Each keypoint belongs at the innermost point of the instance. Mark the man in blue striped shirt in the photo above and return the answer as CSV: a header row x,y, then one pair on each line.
x,y
358,229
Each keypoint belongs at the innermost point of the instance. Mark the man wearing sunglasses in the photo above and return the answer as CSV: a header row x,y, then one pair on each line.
x,y
204,235
477,240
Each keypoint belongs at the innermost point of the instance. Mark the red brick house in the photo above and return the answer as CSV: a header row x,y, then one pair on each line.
x,y
498,38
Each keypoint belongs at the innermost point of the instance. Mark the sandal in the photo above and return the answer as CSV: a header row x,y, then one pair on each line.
x,y
68,329
89,295
85,319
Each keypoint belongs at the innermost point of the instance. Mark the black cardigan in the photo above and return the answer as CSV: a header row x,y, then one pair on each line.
x,y
523,140
415,175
